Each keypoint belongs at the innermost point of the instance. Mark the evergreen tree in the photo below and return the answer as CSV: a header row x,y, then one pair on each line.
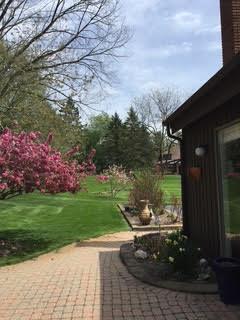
x,y
95,134
138,147
70,113
72,128
113,143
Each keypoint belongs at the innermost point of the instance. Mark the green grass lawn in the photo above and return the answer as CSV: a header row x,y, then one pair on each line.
x,y
171,185
37,223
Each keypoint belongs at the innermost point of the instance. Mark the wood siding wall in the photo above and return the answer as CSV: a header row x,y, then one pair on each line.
x,y
202,209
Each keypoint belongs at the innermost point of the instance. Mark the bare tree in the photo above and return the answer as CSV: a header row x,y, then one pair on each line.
x,y
63,45
153,108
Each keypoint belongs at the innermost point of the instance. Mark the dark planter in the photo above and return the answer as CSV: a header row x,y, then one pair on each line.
x,y
228,277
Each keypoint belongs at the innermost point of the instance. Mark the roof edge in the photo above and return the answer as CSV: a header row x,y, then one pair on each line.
x,y
204,89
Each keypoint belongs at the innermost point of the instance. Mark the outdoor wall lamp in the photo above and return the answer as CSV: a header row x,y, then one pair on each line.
x,y
201,151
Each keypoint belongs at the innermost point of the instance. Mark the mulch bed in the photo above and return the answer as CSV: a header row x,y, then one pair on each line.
x,y
150,272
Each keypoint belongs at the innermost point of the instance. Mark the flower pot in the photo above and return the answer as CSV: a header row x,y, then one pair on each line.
x,y
228,277
145,213
195,173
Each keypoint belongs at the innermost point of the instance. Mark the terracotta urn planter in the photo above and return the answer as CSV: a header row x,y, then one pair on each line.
x,y
145,213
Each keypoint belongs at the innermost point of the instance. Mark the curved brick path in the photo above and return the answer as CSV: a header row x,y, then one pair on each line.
x,y
89,282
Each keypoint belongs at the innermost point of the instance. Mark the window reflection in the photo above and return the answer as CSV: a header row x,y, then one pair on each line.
x,y
229,139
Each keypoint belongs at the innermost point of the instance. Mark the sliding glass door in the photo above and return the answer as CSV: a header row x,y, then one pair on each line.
x,y
229,143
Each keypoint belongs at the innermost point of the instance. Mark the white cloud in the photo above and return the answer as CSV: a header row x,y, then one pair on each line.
x,y
186,20
214,46
135,11
161,51
175,49
207,30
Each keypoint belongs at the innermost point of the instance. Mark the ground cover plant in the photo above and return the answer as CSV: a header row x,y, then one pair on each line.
x,y
175,250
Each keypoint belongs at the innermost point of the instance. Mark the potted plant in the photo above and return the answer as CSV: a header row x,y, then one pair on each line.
x,y
228,277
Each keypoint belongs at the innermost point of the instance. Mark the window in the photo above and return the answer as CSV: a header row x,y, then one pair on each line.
x,y
229,141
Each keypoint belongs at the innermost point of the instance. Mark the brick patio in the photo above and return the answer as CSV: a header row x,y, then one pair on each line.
x,y
88,282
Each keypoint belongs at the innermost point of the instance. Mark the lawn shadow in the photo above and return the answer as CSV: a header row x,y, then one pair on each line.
x,y
20,243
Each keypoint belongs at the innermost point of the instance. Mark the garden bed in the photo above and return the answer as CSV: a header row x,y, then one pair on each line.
x,y
136,225
158,274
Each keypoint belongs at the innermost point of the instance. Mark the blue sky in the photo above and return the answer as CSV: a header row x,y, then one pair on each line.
x,y
175,43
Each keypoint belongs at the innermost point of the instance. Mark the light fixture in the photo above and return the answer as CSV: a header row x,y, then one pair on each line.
x,y
201,151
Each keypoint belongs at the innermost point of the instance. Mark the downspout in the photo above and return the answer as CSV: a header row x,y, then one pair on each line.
x,y
183,178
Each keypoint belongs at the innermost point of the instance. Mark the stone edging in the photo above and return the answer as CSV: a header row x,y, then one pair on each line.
x,y
148,273
151,227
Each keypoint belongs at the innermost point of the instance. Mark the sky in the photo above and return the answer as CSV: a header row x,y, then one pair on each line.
x,y
175,43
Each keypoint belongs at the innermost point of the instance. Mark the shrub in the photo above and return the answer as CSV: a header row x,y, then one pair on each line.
x,y
151,243
102,178
146,186
27,164
180,251
116,178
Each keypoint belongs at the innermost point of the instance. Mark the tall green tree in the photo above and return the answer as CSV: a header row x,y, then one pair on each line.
x,y
96,129
113,142
138,146
94,136
72,128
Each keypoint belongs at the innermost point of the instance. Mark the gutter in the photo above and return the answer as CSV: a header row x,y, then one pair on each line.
x,y
170,135
183,178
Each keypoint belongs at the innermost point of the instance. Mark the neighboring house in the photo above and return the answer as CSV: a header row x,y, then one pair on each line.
x,y
210,149
174,153
172,161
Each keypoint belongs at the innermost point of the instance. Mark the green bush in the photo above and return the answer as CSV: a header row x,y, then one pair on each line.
x,y
181,253
146,186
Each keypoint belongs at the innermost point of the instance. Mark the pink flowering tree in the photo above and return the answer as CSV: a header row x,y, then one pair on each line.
x,y
116,178
28,164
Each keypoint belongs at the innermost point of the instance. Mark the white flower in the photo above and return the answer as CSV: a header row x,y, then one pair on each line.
x,y
175,242
185,237
199,249
181,249
168,241
171,259
203,262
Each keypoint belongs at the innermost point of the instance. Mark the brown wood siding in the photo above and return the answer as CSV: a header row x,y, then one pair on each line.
x,y
202,210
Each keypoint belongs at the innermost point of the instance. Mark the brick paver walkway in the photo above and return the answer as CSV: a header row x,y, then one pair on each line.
x,y
89,282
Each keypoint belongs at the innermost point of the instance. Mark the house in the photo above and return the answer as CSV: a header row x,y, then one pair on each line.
x,y
210,149
171,161
173,154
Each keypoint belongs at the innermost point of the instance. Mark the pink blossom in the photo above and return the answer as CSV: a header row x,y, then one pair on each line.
x,y
27,164
102,178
